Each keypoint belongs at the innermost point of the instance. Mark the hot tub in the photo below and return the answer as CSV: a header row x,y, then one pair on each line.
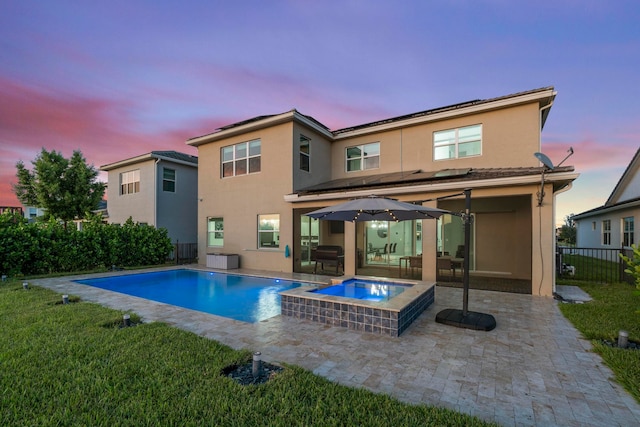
x,y
364,290
364,304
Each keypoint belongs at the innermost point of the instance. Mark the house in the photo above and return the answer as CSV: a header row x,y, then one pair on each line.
x,y
611,226
11,210
259,177
33,212
159,188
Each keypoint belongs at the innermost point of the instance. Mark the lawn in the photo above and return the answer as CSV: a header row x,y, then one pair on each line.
x,y
71,364
614,307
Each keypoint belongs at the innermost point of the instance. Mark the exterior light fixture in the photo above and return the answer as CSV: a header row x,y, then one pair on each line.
x,y
65,299
623,339
257,364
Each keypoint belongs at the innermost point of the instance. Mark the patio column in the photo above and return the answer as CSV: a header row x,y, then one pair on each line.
x,y
543,237
350,252
429,236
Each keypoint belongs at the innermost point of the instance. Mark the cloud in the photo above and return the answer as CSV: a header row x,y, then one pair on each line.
x,y
104,130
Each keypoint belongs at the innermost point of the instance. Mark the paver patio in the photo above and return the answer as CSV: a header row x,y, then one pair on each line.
x,y
532,369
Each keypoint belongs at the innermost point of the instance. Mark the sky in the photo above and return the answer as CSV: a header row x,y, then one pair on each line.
x,y
116,79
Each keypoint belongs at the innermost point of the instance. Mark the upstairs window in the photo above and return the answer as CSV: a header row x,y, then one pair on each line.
x,y
606,232
305,153
130,182
362,157
457,143
627,231
240,159
169,180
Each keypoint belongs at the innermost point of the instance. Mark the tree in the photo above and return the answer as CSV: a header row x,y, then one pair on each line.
x,y
568,230
66,188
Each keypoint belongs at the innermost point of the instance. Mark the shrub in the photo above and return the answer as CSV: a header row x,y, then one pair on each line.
x,y
47,247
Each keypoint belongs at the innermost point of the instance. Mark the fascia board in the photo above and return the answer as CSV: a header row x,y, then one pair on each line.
x,y
264,123
144,158
127,162
458,112
448,186
609,209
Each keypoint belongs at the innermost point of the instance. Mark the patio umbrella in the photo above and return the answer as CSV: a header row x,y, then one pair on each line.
x,y
374,208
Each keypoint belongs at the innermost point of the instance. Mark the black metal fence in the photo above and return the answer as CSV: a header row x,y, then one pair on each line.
x,y
592,264
184,253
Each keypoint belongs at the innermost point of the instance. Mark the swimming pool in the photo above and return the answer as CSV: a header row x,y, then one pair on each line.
x,y
364,290
245,298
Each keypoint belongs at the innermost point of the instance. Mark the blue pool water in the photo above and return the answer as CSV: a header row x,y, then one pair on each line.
x,y
244,298
370,291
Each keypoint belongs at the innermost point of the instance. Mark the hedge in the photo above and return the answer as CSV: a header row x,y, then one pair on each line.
x,y
50,247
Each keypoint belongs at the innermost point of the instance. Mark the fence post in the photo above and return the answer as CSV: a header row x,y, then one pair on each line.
x,y
177,252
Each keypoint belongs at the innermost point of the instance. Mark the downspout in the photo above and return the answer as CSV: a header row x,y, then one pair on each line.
x,y
155,195
555,241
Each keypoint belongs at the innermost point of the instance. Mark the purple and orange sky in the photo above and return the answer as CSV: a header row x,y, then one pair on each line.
x,y
116,79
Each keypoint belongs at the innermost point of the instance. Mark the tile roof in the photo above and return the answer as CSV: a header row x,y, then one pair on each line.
x,y
385,121
408,178
177,156
439,110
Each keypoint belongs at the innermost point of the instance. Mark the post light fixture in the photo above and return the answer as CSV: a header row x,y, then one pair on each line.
x,y
257,364
623,339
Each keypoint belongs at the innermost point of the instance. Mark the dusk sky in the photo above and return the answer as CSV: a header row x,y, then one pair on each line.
x,y
116,79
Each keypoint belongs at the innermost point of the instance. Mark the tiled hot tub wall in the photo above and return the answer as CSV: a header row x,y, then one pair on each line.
x,y
387,318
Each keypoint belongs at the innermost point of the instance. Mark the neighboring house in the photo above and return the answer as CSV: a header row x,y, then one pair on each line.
x,y
158,188
11,209
612,225
32,212
258,178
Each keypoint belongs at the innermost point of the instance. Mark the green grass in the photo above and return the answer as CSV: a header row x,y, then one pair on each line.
x,y
593,269
614,308
70,365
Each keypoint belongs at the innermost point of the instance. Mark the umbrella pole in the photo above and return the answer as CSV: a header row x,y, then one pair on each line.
x,y
467,243
465,318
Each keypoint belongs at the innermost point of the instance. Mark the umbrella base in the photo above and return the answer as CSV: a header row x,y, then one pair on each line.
x,y
473,320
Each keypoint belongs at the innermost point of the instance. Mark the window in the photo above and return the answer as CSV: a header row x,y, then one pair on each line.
x,y
130,182
215,232
362,157
305,153
593,225
241,159
268,231
457,143
169,180
606,232
627,231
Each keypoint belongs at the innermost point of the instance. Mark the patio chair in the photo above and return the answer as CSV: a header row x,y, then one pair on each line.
x,y
444,263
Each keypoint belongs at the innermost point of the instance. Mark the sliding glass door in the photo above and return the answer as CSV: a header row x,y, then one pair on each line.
x,y
387,241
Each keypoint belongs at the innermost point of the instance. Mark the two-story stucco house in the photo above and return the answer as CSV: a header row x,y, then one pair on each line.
x,y
611,226
159,188
258,178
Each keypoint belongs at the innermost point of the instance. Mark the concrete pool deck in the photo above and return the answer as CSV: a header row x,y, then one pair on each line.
x,y
533,369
